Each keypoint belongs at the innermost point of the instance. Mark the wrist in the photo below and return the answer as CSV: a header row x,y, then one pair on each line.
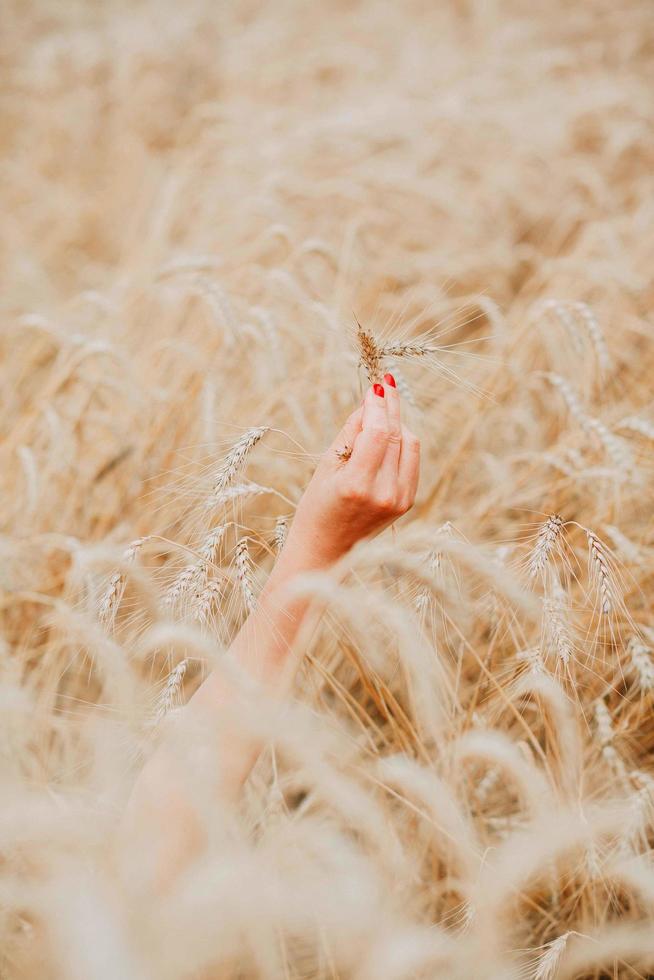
x,y
306,550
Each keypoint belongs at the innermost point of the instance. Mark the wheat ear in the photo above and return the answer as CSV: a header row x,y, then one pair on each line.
x,y
548,961
244,573
599,570
615,448
554,608
369,354
206,599
280,532
548,537
641,426
605,735
111,599
234,461
641,661
400,349
170,691
192,575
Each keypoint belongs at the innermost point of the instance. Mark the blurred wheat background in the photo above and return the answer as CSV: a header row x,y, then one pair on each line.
x,y
196,199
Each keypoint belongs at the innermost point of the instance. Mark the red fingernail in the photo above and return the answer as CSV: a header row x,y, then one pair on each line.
x,y
390,380
378,390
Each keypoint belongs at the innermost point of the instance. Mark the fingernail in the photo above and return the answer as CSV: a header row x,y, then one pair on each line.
x,y
390,380
378,390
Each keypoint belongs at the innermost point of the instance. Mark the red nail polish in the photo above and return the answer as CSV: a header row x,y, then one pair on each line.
x,y
378,390
390,380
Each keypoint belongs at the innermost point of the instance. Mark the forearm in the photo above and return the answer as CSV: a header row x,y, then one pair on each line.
x,y
261,653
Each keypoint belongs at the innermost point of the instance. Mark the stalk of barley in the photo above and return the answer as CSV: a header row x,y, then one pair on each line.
x,y
234,461
534,657
244,573
548,538
171,691
206,599
434,560
554,611
548,961
111,599
634,837
562,313
615,448
403,386
400,349
621,542
210,544
192,575
280,532
599,570
594,331
182,584
239,490
641,426
369,354
605,735
641,661
422,599
487,784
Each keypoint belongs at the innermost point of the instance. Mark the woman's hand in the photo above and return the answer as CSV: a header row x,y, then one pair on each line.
x,y
353,498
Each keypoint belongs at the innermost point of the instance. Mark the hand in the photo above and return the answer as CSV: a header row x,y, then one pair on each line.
x,y
347,500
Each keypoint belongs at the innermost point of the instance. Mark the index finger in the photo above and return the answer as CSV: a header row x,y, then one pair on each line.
x,y
372,441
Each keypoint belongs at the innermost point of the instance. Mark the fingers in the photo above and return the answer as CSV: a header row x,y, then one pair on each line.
x,y
370,447
389,468
408,469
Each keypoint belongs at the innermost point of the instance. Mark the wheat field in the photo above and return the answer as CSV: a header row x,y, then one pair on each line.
x,y
200,201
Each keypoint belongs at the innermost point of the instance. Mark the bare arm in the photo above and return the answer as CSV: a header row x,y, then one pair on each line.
x,y
344,502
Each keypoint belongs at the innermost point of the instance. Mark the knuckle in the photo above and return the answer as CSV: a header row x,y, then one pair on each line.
x,y
354,492
386,504
378,433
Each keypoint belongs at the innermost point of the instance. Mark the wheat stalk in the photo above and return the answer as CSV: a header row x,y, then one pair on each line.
x,y
533,656
401,349
280,532
244,574
239,490
605,735
171,690
434,560
614,447
548,538
600,571
190,578
233,462
554,609
594,331
641,426
641,661
369,354
549,959
111,599
205,600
